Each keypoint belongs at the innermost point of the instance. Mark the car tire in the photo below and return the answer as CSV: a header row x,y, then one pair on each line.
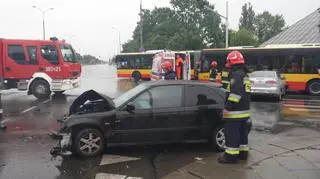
x,y
136,76
95,143
314,87
218,140
40,89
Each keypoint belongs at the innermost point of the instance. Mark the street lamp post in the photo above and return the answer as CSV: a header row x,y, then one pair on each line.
x,y
43,19
141,28
119,37
227,21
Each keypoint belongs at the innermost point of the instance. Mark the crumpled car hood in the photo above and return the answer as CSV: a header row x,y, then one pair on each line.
x,y
90,95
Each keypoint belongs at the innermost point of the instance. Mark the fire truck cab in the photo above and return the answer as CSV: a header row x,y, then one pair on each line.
x,y
38,66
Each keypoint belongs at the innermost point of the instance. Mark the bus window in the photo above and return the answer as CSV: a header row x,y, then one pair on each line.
x,y
294,65
310,64
146,62
251,62
274,62
207,59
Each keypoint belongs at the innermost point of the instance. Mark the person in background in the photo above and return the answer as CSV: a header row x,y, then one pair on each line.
x,y
237,110
213,71
169,74
179,67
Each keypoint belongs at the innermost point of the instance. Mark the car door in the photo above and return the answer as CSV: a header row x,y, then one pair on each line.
x,y
167,103
203,111
132,126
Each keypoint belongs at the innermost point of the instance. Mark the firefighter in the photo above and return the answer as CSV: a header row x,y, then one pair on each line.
x,y
213,71
237,111
169,74
179,67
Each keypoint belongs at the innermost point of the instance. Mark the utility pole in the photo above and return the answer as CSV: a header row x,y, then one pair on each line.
x,y
141,28
226,17
119,38
227,24
43,19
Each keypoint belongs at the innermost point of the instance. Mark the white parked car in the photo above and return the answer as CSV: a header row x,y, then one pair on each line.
x,y
269,83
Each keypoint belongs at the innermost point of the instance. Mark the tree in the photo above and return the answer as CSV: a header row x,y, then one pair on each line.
x,y
247,17
184,26
242,37
268,25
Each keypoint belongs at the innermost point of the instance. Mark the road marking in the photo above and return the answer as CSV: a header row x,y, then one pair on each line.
x,y
6,120
46,101
29,109
301,100
112,159
303,109
113,176
301,106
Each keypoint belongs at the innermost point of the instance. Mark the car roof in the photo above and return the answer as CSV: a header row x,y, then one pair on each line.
x,y
269,71
181,82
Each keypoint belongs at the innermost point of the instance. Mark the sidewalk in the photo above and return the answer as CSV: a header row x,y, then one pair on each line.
x,y
281,159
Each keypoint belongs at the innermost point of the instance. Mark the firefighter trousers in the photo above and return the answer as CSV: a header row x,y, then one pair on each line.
x,y
236,137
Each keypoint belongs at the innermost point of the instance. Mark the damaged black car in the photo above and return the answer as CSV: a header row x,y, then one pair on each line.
x,y
156,112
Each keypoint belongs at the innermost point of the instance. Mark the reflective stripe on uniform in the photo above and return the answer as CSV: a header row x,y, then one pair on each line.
x,y
225,74
244,148
237,114
232,151
234,98
247,84
226,82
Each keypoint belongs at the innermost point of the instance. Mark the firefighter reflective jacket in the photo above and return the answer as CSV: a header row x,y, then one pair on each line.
x,y
170,75
213,74
238,98
225,78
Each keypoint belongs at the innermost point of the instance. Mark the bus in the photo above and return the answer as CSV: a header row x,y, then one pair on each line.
x,y
135,66
138,66
38,66
299,64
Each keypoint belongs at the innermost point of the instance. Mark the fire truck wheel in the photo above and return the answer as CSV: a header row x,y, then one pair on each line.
x,y
40,89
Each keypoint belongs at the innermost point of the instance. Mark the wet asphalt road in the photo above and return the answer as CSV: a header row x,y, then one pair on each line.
x,y
25,145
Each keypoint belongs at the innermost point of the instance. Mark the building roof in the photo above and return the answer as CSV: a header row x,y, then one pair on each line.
x,y
305,31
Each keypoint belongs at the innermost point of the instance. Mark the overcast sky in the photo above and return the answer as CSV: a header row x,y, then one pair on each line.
x,y
87,24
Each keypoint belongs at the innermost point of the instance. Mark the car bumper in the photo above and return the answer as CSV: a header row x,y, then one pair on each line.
x,y
67,84
274,91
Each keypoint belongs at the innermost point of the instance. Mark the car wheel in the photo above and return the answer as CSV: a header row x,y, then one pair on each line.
x,y
89,143
136,76
218,139
314,87
40,89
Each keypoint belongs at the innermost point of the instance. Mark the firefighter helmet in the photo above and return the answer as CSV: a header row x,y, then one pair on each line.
x,y
214,63
234,58
166,65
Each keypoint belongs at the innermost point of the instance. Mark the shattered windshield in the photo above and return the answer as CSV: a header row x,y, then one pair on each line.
x,y
68,53
129,94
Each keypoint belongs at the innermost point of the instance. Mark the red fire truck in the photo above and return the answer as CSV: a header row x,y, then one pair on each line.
x,y
39,66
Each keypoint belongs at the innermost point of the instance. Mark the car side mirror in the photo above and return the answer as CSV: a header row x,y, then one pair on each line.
x,y
130,107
